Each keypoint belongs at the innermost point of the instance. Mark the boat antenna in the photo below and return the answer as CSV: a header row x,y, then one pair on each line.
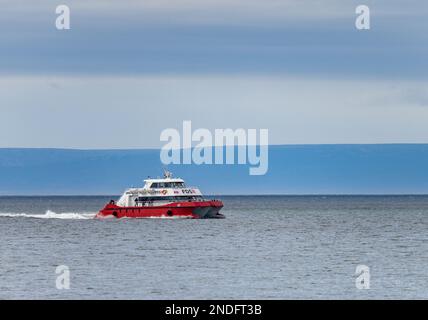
x,y
166,174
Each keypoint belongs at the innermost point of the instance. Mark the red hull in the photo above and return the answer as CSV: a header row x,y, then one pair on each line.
x,y
194,210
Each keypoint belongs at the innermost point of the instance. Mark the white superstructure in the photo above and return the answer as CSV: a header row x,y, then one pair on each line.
x,y
159,191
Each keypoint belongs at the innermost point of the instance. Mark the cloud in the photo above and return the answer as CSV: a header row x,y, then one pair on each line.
x,y
417,96
299,68
209,37
130,112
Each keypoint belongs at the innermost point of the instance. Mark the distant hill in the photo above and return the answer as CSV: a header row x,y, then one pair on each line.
x,y
293,169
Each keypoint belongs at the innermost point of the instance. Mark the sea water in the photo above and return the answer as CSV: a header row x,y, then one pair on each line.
x,y
268,247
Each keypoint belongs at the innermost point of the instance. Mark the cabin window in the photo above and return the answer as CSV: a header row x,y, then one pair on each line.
x,y
158,185
142,200
177,185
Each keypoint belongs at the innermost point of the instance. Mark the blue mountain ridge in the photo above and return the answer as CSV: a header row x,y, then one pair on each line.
x,y
293,169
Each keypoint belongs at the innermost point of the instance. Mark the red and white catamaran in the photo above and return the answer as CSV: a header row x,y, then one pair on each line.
x,y
162,198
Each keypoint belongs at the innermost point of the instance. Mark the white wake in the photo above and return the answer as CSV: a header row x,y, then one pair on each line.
x,y
51,215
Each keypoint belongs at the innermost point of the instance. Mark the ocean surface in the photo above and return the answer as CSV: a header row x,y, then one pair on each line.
x,y
268,247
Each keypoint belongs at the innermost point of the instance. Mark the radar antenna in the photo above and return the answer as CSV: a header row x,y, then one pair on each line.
x,y
167,174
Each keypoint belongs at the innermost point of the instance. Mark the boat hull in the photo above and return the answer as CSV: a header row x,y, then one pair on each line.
x,y
193,210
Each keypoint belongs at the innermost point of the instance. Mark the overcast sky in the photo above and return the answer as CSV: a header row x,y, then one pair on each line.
x,y
129,69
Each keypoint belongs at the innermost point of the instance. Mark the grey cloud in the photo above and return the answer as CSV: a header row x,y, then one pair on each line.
x,y
417,96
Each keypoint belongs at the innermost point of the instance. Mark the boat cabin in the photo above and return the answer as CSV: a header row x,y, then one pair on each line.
x,y
159,192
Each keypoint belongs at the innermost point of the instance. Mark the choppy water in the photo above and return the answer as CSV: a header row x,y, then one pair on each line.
x,y
275,247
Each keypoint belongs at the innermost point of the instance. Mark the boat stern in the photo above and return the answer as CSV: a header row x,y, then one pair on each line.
x,y
108,211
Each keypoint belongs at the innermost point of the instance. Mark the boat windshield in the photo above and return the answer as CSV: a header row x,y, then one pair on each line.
x,y
174,185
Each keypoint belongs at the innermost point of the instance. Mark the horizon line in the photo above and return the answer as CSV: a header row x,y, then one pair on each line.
x,y
158,148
